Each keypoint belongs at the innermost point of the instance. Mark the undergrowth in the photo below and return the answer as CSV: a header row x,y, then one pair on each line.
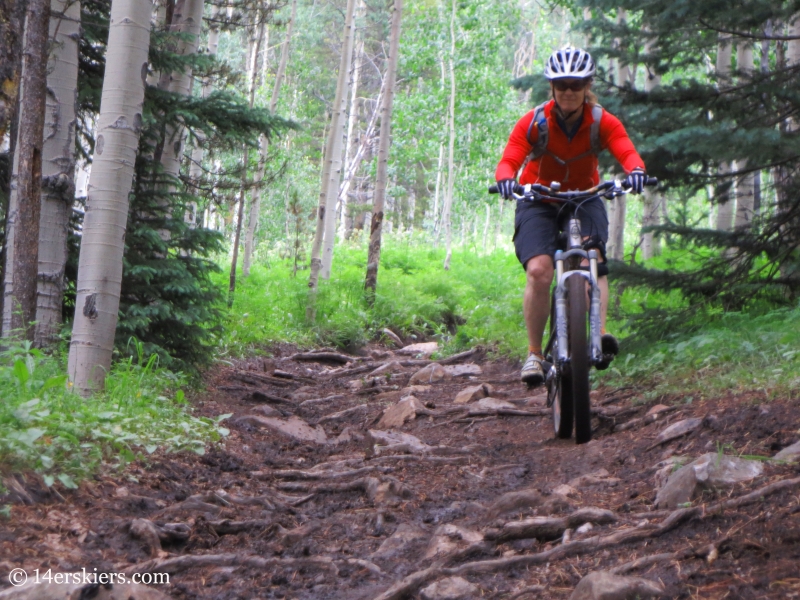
x,y
668,346
731,352
48,429
478,301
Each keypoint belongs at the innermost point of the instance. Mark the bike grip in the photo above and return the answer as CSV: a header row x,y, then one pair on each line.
x,y
651,181
493,189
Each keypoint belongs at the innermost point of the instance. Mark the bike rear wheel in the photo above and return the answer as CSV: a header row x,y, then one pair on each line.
x,y
579,358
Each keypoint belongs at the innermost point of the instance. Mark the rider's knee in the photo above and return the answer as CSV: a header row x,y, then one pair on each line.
x,y
540,269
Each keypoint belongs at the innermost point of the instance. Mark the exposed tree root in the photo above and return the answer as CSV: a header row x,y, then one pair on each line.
x,y
451,360
421,458
287,375
359,485
535,590
254,378
339,373
549,528
325,357
182,563
342,414
307,403
641,532
316,475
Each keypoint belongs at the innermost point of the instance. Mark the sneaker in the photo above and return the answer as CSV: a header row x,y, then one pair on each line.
x,y
533,371
609,344
610,347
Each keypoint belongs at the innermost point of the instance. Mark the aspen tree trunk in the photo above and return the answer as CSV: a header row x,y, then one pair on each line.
x,y
12,20
187,19
363,148
745,190
651,198
486,229
255,206
337,140
451,174
327,204
725,200
255,48
196,168
118,128
352,118
618,206
58,167
24,208
436,191
374,254
252,65
319,232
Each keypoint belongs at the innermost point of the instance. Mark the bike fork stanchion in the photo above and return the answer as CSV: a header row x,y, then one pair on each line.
x,y
561,313
594,311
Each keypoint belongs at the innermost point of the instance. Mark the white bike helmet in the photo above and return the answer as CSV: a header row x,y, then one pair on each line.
x,y
569,62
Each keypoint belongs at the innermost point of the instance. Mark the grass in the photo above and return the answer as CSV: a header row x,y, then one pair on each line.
x,y
48,429
734,352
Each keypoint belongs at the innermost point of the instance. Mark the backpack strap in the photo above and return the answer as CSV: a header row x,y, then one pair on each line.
x,y
539,147
594,131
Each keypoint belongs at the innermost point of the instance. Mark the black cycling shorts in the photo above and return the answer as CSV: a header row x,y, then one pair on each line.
x,y
537,226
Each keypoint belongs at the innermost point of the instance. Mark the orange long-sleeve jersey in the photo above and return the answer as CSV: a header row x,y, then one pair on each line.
x,y
580,170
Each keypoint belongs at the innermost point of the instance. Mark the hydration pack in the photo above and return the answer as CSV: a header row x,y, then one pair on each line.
x,y
540,145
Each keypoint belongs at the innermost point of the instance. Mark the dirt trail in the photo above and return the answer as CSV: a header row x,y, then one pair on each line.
x,y
343,505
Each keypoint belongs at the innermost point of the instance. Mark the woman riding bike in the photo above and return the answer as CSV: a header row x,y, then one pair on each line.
x,y
560,141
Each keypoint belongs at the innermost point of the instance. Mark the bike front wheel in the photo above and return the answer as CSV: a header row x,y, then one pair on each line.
x,y
579,358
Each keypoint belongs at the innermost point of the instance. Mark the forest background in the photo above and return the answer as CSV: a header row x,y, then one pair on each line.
x,y
255,115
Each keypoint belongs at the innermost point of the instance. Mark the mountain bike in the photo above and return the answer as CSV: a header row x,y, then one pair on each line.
x,y
574,342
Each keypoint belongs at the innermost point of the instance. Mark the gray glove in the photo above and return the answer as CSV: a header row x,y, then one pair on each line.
x,y
506,187
635,180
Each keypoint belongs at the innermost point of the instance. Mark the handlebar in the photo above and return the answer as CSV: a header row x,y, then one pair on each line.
x,y
609,189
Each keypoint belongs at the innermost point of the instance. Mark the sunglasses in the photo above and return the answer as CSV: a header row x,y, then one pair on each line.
x,y
575,86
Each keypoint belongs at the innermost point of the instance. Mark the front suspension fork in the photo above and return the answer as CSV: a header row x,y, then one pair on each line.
x,y
595,346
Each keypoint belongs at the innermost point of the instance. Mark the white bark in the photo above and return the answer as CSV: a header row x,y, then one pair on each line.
x,y
118,128
256,41
617,207
374,253
337,140
745,189
58,167
726,201
352,118
436,191
187,20
451,175
195,167
651,245
263,146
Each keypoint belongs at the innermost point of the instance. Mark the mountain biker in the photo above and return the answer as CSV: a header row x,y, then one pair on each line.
x,y
570,157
